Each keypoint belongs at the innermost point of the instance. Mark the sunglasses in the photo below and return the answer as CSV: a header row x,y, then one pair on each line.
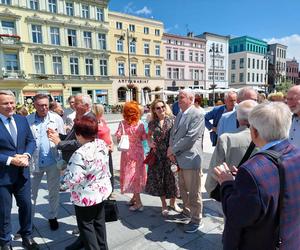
x,y
160,107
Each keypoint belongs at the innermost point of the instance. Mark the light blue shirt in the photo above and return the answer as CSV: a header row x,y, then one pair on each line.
x,y
227,123
294,136
270,144
46,158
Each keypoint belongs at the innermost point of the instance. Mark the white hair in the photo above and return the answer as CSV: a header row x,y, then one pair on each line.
x,y
244,108
86,99
242,94
188,92
272,120
7,92
227,94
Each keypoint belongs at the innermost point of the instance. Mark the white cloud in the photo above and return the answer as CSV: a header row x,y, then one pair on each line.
x,y
169,29
293,43
144,11
129,8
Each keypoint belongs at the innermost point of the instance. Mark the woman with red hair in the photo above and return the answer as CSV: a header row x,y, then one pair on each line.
x,y
132,170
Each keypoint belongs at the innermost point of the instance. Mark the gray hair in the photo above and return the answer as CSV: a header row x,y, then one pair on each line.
x,y
229,93
86,99
242,94
188,92
272,120
244,108
7,92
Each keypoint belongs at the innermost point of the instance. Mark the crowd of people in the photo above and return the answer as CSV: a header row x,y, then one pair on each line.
x,y
253,171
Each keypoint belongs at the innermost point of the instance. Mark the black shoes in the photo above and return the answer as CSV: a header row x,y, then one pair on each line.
x,y
6,247
53,224
30,244
76,245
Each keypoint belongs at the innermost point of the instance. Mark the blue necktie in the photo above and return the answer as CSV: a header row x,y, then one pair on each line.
x,y
13,131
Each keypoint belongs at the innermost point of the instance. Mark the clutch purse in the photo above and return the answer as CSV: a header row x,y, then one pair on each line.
x,y
111,210
150,158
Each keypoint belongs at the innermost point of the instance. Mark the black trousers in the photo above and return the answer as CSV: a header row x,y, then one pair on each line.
x,y
111,169
91,224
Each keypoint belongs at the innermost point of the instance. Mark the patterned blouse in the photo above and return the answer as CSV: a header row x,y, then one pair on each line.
x,y
87,174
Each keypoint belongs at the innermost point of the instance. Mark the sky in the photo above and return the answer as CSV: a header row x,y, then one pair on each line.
x,y
270,20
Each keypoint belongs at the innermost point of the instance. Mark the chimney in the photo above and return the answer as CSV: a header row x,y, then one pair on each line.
x,y
190,34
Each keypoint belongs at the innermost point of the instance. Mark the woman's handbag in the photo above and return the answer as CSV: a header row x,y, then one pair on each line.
x,y
111,210
150,158
124,141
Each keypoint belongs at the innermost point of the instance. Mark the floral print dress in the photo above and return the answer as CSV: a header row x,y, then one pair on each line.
x,y
133,174
87,174
161,181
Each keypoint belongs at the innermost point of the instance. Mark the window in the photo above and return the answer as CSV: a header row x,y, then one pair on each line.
x,y
7,2
196,74
99,14
191,56
102,41
157,70
169,73
87,39
122,94
221,48
39,64
36,33
34,4
182,55
146,49
147,70
157,32
85,11
121,69
11,62
70,9
132,47
253,63
175,53
176,73
233,64
232,78
132,27
72,38
197,57
57,65
74,67
241,63
119,25
54,34
146,30
257,64
241,77
249,63
89,68
262,64
168,54
181,73
157,50
8,27
120,46
248,77
257,77
103,67
253,77
52,6
133,70
261,78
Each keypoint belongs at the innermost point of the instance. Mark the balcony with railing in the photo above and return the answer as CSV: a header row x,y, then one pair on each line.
x,y
7,39
12,74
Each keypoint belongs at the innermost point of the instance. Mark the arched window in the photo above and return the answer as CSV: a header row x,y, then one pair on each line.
x,y
122,94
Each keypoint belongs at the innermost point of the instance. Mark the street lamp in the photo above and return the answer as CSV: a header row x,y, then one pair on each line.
x,y
130,85
213,50
266,57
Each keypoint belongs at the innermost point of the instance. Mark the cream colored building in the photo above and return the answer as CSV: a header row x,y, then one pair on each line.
x,y
58,47
136,56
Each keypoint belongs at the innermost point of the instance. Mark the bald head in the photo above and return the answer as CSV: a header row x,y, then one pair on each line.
x,y
293,99
247,93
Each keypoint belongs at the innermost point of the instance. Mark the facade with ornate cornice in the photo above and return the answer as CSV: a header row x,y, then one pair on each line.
x,y
57,47
136,56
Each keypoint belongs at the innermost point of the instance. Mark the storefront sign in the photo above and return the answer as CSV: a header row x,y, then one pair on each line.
x,y
126,81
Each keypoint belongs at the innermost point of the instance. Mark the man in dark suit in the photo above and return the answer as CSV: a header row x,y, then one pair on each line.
x,y
251,200
16,147
68,143
216,113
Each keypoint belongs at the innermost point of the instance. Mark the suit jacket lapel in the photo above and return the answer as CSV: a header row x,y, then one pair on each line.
x,y
177,120
6,133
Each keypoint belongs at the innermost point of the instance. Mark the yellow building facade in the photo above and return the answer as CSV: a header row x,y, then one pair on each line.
x,y
58,47
136,57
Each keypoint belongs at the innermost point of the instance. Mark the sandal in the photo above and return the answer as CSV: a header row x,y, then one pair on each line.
x,y
165,212
131,202
136,207
176,208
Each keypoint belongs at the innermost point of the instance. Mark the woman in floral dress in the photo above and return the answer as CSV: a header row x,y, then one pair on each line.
x,y
132,170
161,180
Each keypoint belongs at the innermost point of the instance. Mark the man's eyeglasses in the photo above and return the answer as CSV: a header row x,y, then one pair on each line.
x,y
160,107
